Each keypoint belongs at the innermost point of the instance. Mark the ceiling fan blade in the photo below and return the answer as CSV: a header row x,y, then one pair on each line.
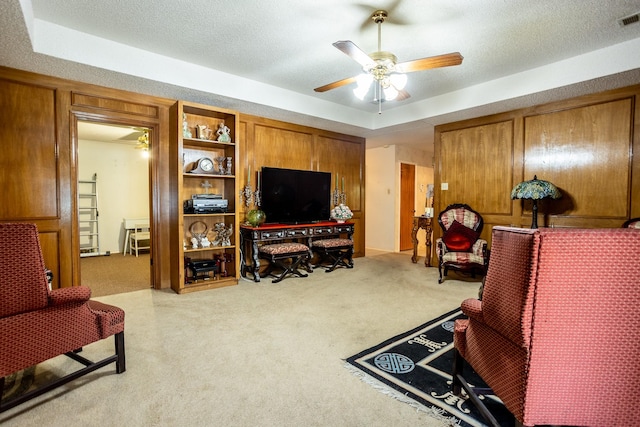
x,y
402,95
438,61
350,49
334,85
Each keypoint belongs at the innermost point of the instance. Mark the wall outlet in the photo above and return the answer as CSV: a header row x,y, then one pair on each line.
x,y
444,186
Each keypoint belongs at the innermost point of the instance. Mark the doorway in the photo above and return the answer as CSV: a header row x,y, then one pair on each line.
x,y
113,186
407,204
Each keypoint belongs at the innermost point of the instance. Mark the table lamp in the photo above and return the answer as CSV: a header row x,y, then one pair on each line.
x,y
535,190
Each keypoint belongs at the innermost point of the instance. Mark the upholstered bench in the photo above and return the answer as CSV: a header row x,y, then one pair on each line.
x,y
333,253
279,253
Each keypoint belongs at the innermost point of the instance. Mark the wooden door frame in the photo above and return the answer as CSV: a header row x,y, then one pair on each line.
x,y
153,127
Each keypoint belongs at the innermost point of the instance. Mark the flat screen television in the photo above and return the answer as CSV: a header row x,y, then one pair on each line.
x,y
291,196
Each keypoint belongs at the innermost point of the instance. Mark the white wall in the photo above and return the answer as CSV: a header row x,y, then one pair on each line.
x,y
383,194
423,162
123,187
380,198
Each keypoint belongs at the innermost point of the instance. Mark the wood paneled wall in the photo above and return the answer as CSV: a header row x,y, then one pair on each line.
x,y
584,146
38,161
284,145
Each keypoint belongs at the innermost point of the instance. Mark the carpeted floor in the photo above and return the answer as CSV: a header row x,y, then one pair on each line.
x,y
115,274
256,354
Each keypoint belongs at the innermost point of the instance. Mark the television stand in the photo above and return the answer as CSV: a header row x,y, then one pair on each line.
x,y
253,237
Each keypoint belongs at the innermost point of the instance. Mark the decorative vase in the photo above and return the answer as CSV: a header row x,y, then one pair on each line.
x,y
255,217
341,213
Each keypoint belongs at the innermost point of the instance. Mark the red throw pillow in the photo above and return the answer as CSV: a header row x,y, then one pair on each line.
x,y
459,238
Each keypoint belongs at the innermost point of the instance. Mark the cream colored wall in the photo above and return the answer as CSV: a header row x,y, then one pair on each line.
x,y
123,187
380,198
383,194
423,162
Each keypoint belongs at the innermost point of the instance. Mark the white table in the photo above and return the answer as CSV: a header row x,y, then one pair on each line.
x,y
130,224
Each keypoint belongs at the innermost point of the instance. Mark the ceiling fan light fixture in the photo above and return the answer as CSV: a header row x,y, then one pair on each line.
x,y
364,84
390,93
143,144
382,68
364,80
360,92
398,80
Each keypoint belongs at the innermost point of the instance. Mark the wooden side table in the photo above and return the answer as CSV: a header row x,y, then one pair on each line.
x,y
424,223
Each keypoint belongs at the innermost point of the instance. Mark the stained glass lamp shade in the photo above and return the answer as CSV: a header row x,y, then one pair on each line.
x,y
535,190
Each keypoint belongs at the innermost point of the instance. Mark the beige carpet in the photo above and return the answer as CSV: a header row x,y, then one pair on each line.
x,y
255,354
115,274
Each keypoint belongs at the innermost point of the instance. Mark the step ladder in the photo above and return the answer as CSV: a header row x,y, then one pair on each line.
x,y
88,217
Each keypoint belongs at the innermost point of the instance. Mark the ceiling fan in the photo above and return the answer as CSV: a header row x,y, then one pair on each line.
x,y
143,139
383,69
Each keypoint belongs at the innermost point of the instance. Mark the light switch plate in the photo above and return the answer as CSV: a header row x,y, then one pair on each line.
x,y
444,186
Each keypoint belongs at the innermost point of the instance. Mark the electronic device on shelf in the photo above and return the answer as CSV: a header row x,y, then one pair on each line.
x,y
200,268
206,204
206,196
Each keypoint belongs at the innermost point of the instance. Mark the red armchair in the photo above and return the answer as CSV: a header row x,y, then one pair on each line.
x,y
557,334
460,247
37,324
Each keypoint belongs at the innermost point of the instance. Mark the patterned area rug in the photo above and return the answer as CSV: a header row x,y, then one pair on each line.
x,y
417,364
18,383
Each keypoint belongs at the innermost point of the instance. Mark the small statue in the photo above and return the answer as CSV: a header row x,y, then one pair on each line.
x,y
205,243
226,237
218,229
194,243
223,234
223,133
186,133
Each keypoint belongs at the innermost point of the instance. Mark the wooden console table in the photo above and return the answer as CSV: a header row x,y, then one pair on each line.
x,y
424,223
253,237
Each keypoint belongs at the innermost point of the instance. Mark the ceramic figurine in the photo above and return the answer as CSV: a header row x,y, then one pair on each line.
x,y
223,133
186,133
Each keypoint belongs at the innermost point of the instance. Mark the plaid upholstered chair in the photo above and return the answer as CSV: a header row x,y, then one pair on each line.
x,y
556,340
460,247
37,324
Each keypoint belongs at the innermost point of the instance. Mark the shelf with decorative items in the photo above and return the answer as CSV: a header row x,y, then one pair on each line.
x,y
204,234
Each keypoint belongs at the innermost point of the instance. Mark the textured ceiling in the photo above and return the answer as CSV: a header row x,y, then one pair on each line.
x,y
266,58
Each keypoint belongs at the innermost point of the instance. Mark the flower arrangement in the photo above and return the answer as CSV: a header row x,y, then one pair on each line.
x,y
341,212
